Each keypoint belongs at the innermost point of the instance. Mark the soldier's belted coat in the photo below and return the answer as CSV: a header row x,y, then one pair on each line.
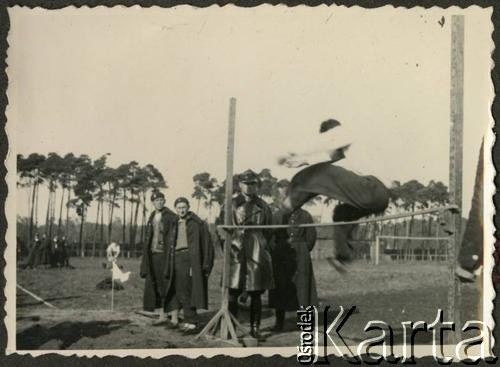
x,y
293,271
201,255
250,260
152,298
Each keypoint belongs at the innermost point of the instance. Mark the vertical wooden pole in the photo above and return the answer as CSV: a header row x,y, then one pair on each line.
x,y
456,158
377,250
228,220
227,322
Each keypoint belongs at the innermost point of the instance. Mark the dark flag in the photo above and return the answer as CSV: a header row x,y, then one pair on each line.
x,y
360,196
470,257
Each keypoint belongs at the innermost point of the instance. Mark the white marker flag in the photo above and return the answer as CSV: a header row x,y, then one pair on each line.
x,y
120,275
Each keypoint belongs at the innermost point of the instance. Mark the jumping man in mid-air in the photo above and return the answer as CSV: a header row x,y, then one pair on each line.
x,y
359,196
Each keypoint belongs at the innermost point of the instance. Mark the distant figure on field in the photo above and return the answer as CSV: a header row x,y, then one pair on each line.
x,y
64,253
33,253
20,250
44,252
56,258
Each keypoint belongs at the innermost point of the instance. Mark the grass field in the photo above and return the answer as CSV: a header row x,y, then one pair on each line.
x,y
391,293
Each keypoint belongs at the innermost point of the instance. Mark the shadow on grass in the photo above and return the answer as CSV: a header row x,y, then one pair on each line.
x,y
67,332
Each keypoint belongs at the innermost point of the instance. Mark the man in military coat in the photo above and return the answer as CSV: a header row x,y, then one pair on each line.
x,y
158,238
292,266
250,269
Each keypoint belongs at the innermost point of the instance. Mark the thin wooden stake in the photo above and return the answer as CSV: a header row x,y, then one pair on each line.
x,y
112,287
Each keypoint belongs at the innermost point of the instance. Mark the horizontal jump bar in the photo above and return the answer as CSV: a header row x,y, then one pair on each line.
x,y
414,238
361,221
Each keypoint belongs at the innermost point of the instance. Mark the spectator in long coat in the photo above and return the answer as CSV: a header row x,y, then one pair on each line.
x,y
56,258
64,253
33,255
20,249
292,266
44,252
250,269
189,262
159,230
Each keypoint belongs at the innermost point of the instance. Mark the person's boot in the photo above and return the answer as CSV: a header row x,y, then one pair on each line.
x,y
255,314
254,325
280,321
255,331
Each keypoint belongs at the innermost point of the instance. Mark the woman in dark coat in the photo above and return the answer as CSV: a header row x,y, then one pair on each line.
x,y
158,239
292,266
189,262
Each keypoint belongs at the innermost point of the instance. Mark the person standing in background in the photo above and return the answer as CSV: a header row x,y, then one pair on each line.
x,y
292,265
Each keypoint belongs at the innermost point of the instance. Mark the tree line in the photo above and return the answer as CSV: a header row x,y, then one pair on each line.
x,y
209,191
409,196
79,181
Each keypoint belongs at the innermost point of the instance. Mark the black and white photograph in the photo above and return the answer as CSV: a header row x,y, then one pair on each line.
x,y
228,180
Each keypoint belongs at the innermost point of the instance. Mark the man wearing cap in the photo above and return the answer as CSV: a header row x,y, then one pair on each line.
x,y
190,260
250,269
292,266
158,237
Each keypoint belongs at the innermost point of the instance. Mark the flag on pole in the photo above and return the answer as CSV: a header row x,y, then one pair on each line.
x,y
120,275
